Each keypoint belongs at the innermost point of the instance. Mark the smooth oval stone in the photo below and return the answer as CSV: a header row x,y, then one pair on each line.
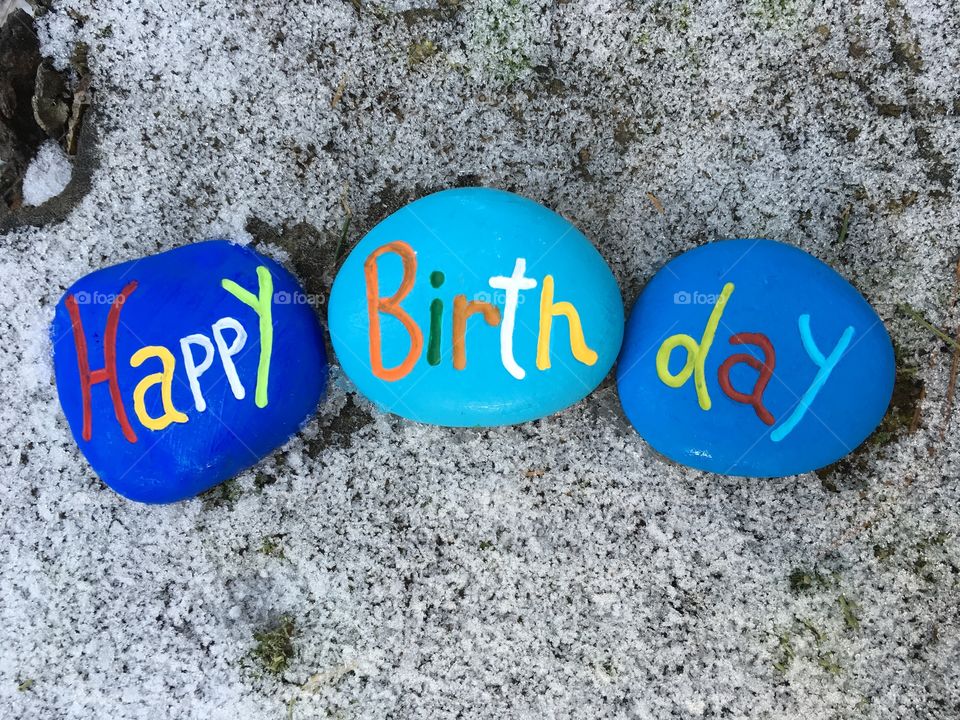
x,y
177,371
475,307
751,357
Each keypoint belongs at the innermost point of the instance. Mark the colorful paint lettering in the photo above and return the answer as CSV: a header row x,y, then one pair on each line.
x,y
764,368
108,373
463,310
260,303
377,305
697,355
824,365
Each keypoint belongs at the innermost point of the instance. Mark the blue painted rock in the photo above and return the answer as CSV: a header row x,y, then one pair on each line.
x,y
751,357
178,370
475,307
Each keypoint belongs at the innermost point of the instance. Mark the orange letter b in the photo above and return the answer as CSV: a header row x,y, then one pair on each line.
x,y
391,306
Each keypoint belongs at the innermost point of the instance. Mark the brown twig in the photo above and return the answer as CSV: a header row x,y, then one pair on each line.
x,y
910,311
338,94
844,224
655,201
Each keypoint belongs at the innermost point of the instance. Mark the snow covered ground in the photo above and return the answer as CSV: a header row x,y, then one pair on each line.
x,y
554,569
48,174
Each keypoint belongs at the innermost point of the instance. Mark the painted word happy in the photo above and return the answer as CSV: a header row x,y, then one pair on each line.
x,y
260,303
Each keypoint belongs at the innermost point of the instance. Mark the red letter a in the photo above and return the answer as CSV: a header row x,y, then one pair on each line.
x,y
765,368
108,372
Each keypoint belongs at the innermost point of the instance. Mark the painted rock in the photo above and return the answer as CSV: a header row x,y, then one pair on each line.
x,y
475,307
751,357
178,370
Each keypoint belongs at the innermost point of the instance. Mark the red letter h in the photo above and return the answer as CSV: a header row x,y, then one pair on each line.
x,y
108,372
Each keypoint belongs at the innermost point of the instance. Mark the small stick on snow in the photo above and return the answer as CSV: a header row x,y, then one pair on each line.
x,y
913,313
338,94
655,201
844,225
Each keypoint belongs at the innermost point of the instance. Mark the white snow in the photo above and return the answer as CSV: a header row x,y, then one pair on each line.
x,y
47,175
557,569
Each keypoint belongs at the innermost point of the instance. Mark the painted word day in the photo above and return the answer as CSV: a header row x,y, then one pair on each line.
x,y
696,356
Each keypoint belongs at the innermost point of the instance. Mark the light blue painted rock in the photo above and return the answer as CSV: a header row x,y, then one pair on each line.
x,y
751,357
475,307
178,370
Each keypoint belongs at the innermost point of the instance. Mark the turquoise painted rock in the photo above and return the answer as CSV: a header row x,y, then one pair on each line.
x,y
754,358
179,370
475,307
